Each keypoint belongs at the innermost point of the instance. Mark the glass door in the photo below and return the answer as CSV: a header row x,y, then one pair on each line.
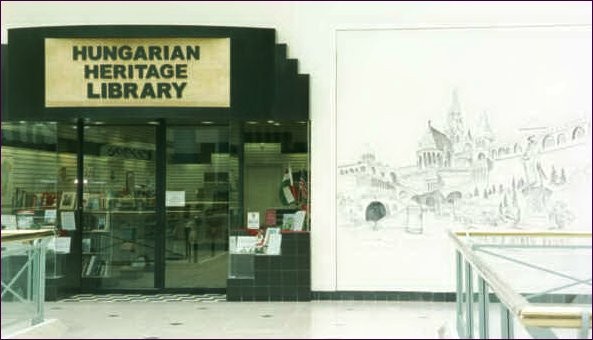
x,y
202,176
119,208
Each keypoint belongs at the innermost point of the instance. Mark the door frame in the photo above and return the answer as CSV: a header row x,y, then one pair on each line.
x,y
161,128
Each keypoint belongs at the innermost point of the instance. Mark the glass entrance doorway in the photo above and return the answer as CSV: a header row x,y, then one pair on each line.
x,y
202,175
157,201
118,221
160,200
126,243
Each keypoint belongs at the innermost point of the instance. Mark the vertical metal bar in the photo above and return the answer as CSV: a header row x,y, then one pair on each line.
x,y
33,280
29,265
241,157
40,286
469,291
161,214
483,307
459,294
506,323
585,324
77,234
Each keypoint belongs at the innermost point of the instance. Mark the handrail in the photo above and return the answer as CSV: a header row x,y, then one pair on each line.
x,y
529,314
25,235
32,270
514,232
554,316
513,300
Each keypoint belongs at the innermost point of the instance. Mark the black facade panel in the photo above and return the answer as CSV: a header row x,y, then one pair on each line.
x,y
253,76
3,86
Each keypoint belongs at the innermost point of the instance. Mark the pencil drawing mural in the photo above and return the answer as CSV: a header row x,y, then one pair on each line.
x,y
457,129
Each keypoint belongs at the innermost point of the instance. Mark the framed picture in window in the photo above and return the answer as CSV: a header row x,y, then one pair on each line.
x,y
68,200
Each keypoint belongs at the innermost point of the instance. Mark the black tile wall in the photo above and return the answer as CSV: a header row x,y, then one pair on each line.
x,y
286,277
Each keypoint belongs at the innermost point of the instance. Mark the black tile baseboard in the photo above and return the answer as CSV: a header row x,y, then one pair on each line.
x,y
383,296
436,297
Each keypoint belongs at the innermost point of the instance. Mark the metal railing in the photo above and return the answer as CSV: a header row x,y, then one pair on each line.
x,y
538,320
31,243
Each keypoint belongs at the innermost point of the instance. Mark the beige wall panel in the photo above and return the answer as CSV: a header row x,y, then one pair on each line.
x,y
207,81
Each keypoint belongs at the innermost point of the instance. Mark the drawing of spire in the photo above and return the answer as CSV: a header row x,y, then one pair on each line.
x,y
484,129
455,124
455,106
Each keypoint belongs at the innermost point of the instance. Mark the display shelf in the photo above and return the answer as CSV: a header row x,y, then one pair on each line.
x,y
97,244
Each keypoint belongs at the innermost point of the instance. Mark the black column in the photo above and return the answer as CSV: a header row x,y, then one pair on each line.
x,y
241,156
161,214
77,234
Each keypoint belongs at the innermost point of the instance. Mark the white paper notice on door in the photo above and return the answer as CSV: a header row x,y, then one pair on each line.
x,y
68,220
60,245
9,222
175,199
253,220
50,216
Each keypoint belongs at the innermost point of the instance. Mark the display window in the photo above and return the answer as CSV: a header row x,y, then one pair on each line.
x,y
152,149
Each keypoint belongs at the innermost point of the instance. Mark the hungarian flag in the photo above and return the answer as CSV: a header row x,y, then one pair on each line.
x,y
303,193
286,188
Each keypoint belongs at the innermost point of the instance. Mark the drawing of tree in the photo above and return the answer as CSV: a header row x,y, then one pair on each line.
x,y
374,212
554,176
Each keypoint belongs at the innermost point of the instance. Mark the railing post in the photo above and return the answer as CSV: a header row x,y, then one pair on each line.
x,y
483,307
39,277
30,278
506,323
469,297
459,294
585,324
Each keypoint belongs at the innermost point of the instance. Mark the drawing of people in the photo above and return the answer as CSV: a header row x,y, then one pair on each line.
x,y
530,160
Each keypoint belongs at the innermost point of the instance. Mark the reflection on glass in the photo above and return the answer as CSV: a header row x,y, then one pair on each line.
x,y
30,199
119,220
29,178
201,182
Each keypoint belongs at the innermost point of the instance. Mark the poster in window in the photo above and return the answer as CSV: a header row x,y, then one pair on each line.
x,y
68,200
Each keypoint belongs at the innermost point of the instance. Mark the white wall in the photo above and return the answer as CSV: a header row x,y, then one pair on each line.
x,y
309,30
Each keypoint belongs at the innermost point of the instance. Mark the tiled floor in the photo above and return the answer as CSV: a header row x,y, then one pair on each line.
x,y
146,298
256,320
209,316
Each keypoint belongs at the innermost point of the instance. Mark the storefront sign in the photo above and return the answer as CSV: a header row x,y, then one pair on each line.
x,y
126,152
175,72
